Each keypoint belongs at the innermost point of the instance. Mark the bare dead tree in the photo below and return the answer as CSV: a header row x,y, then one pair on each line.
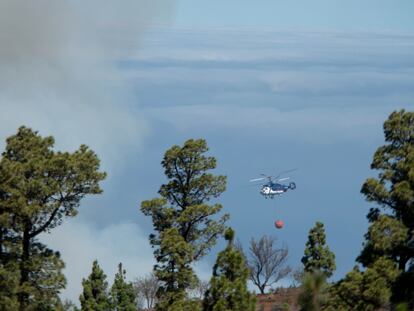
x,y
297,276
199,290
69,306
146,288
266,261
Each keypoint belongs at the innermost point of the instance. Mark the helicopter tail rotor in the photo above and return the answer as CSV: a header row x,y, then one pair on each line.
x,y
292,186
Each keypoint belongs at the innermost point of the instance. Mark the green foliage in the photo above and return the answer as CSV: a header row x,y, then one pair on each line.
x,y
69,306
183,221
392,224
285,307
95,291
38,189
228,285
9,268
177,301
402,307
9,282
385,237
180,255
43,285
123,295
366,290
403,288
317,255
393,190
46,278
313,293
43,186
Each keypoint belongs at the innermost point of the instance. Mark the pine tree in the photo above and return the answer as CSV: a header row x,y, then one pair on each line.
x,y
317,255
95,291
313,293
388,252
176,273
123,295
228,285
38,189
9,273
391,233
46,276
183,221
366,290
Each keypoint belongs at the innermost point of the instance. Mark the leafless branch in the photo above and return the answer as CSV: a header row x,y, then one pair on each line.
x,y
146,288
267,262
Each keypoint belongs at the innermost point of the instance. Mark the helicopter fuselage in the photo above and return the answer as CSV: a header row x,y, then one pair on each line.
x,y
272,189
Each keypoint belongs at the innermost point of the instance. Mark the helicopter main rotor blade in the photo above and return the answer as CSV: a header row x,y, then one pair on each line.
x,y
281,179
284,172
257,179
255,185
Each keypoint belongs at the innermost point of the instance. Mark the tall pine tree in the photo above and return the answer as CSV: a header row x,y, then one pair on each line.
x,y
388,251
123,296
39,187
317,255
228,285
184,222
391,233
95,296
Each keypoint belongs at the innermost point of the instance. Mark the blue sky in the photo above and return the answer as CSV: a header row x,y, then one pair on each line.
x,y
297,14
270,86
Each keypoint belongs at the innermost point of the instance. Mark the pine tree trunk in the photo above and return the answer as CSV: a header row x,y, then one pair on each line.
x,y
24,272
402,263
1,246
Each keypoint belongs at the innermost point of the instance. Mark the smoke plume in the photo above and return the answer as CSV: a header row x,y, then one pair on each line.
x,y
58,70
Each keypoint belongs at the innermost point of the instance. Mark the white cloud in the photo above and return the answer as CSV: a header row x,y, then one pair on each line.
x,y
302,86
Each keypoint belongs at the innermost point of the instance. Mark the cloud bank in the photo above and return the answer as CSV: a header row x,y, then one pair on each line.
x,y
306,86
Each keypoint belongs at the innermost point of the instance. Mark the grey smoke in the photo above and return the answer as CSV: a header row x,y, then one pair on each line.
x,y
58,73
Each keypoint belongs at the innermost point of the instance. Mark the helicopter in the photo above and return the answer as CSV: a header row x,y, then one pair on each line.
x,y
273,187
